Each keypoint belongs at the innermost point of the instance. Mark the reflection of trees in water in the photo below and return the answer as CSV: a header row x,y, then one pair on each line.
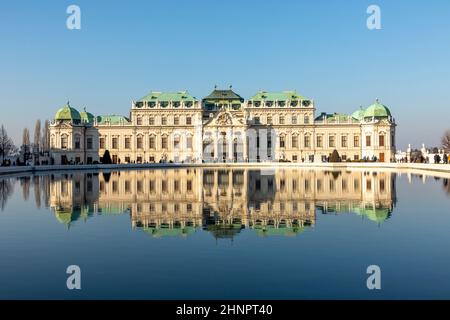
x,y
6,191
25,182
446,183
37,191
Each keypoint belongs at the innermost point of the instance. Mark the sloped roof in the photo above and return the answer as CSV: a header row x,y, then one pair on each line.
x,y
168,96
223,95
277,96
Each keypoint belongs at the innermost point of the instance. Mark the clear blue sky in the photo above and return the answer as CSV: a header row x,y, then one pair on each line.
x,y
322,49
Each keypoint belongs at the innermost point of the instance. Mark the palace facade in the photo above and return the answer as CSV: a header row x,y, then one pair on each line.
x,y
222,127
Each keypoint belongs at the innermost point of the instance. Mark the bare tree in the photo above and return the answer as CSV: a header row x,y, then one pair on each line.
x,y
6,144
45,139
37,136
446,141
25,143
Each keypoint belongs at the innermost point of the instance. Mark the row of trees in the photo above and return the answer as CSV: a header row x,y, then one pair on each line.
x,y
39,147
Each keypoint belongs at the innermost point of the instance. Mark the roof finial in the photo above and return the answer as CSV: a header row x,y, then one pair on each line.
x,y
377,100
231,86
215,86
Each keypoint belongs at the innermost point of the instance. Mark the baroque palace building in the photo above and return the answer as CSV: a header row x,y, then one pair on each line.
x,y
222,127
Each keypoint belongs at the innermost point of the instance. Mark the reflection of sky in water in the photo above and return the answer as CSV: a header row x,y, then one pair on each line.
x,y
231,236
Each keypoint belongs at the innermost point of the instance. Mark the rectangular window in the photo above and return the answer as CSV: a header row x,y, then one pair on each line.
x,y
356,141
294,119
344,141
140,142
319,141
269,119
151,121
164,142
189,142
89,143
306,119
281,119
77,142
294,159
151,142
294,141
176,142
356,157
176,121
102,143
307,141
368,141
188,120
163,121
127,143
381,138
189,185
332,141
282,142
115,143
139,121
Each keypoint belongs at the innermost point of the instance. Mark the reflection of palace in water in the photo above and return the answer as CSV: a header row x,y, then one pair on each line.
x,y
224,201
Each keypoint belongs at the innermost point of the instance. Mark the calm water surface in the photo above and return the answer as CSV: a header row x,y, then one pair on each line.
x,y
225,234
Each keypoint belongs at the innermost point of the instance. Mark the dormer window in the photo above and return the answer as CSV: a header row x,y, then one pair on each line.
x,y
294,103
306,103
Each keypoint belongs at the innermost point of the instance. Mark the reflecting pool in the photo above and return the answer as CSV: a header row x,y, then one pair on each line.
x,y
225,234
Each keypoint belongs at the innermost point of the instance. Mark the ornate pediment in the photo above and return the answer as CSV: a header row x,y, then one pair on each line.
x,y
225,119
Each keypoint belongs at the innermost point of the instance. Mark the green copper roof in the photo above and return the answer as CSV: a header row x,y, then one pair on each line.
x,y
223,95
277,96
67,113
168,96
87,117
374,214
377,110
112,119
358,114
334,118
